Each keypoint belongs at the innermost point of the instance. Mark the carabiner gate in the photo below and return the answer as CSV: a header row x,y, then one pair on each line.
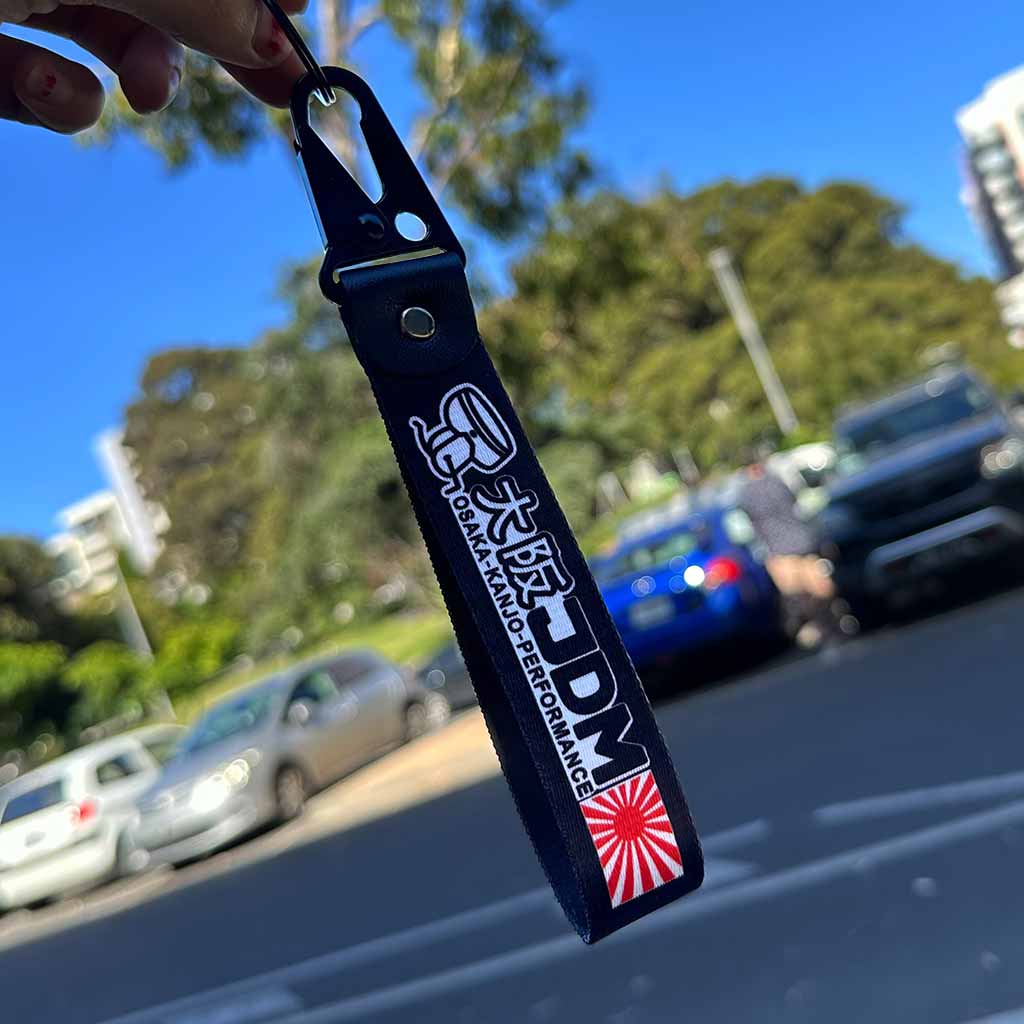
x,y
324,90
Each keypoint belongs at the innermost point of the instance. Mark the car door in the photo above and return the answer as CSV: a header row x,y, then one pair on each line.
x,y
117,779
380,694
327,738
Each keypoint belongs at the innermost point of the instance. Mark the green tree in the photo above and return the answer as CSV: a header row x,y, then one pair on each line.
x,y
193,652
31,695
108,679
496,111
572,468
271,462
200,443
27,609
616,320
284,496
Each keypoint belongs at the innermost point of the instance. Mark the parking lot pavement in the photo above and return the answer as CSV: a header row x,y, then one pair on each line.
x,y
459,755
863,816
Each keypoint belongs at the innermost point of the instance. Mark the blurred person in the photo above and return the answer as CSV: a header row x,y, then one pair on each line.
x,y
143,42
812,613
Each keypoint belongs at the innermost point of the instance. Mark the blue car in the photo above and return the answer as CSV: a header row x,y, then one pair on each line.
x,y
691,585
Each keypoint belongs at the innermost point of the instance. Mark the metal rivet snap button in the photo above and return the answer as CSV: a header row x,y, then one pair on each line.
x,y
418,323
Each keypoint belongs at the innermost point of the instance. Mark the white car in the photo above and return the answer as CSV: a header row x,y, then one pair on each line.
x,y
61,825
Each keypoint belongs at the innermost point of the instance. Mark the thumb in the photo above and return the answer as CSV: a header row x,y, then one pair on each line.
x,y
242,32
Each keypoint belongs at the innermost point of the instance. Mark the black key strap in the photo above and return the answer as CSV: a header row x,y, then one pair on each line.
x,y
575,735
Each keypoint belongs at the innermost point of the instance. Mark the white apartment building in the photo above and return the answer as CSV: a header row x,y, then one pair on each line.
x,y
96,529
992,128
86,551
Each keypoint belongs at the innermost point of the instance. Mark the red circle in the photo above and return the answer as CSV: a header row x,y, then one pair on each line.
x,y
629,823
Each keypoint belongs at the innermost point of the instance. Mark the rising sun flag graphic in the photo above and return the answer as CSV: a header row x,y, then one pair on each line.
x,y
634,838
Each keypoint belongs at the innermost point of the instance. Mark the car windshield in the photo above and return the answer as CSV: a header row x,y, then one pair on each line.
x,y
34,800
232,718
867,438
671,550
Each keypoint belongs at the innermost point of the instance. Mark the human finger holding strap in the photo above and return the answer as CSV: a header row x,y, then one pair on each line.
x,y
143,42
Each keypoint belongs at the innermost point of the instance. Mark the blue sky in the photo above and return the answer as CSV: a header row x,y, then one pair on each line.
x,y
106,258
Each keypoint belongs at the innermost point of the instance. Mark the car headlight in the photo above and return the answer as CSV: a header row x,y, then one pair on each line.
x,y
211,792
1002,457
837,521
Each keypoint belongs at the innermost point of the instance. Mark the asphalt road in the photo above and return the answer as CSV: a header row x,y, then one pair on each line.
x,y
864,823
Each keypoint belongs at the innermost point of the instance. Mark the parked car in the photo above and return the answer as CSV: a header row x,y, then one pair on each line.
x,y
929,480
688,586
446,673
805,470
63,826
253,758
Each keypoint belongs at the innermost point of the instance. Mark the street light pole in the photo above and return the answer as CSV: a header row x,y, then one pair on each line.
x,y
720,261
128,619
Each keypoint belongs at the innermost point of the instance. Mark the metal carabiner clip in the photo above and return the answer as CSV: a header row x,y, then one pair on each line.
x,y
324,90
355,228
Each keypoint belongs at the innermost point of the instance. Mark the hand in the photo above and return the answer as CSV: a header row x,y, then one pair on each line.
x,y
142,42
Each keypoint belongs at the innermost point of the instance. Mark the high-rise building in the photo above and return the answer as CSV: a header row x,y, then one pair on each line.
x,y
86,552
98,528
992,128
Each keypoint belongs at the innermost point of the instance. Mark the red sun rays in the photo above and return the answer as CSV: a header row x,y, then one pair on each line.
x,y
634,838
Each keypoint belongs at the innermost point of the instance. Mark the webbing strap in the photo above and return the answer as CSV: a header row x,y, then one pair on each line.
x,y
587,766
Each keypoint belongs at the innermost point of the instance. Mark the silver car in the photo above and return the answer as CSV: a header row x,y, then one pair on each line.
x,y
62,826
252,759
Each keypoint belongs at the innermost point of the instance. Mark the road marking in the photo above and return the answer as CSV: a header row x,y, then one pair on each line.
x,y
255,1006
718,872
780,883
987,788
741,835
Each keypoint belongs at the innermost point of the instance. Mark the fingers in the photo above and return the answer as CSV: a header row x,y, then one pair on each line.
x,y
42,88
270,85
147,60
240,32
137,41
150,70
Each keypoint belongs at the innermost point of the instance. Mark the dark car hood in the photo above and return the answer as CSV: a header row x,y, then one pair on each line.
x,y
929,451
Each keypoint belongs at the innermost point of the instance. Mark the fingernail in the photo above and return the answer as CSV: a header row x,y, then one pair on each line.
x,y
269,41
43,83
174,81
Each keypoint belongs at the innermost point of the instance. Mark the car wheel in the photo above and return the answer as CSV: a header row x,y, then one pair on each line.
x,y
416,721
289,792
123,858
439,711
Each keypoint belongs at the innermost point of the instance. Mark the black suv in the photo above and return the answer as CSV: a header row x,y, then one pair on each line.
x,y
928,480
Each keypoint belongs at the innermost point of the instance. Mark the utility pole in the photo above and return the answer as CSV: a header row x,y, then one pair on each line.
x,y
729,284
127,615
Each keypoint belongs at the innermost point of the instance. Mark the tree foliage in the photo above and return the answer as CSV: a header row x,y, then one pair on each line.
x,y
496,109
107,679
192,653
616,321
27,609
614,340
36,639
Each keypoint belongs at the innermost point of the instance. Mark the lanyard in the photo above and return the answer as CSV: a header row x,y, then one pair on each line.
x,y
587,766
